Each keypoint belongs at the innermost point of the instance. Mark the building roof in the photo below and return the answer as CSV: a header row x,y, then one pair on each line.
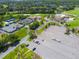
x,y
12,19
26,20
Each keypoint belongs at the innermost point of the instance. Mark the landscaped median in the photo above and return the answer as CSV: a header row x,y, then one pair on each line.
x,y
42,28
22,52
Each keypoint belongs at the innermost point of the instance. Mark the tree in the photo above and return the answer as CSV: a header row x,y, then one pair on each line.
x,y
67,31
32,34
60,9
8,38
1,21
73,30
1,24
13,38
3,39
34,26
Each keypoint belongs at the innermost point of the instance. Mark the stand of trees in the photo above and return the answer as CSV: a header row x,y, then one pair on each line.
x,y
7,40
36,6
34,25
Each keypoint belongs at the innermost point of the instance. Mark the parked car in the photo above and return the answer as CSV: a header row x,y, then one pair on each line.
x,y
37,42
34,49
27,45
43,40
7,24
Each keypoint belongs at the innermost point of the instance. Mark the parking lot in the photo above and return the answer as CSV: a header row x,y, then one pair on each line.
x,y
54,44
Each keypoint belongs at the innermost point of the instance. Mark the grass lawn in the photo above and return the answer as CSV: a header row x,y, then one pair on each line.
x,y
0,36
42,15
22,52
74,24
39,31
73,12
21,33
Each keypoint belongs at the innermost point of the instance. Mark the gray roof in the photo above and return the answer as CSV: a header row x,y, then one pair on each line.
x,y
26,20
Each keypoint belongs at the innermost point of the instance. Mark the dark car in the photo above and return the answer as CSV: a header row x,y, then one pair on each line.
x,y
27,45
43,40
7,24
59,41
54,39
34,49
37,42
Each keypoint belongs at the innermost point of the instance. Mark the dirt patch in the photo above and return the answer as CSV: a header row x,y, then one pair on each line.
x,y
36,57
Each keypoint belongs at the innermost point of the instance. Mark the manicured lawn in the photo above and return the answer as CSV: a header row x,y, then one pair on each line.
x,y
40,30
73,12
21,52
21,33
0,36
74,23
42,15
